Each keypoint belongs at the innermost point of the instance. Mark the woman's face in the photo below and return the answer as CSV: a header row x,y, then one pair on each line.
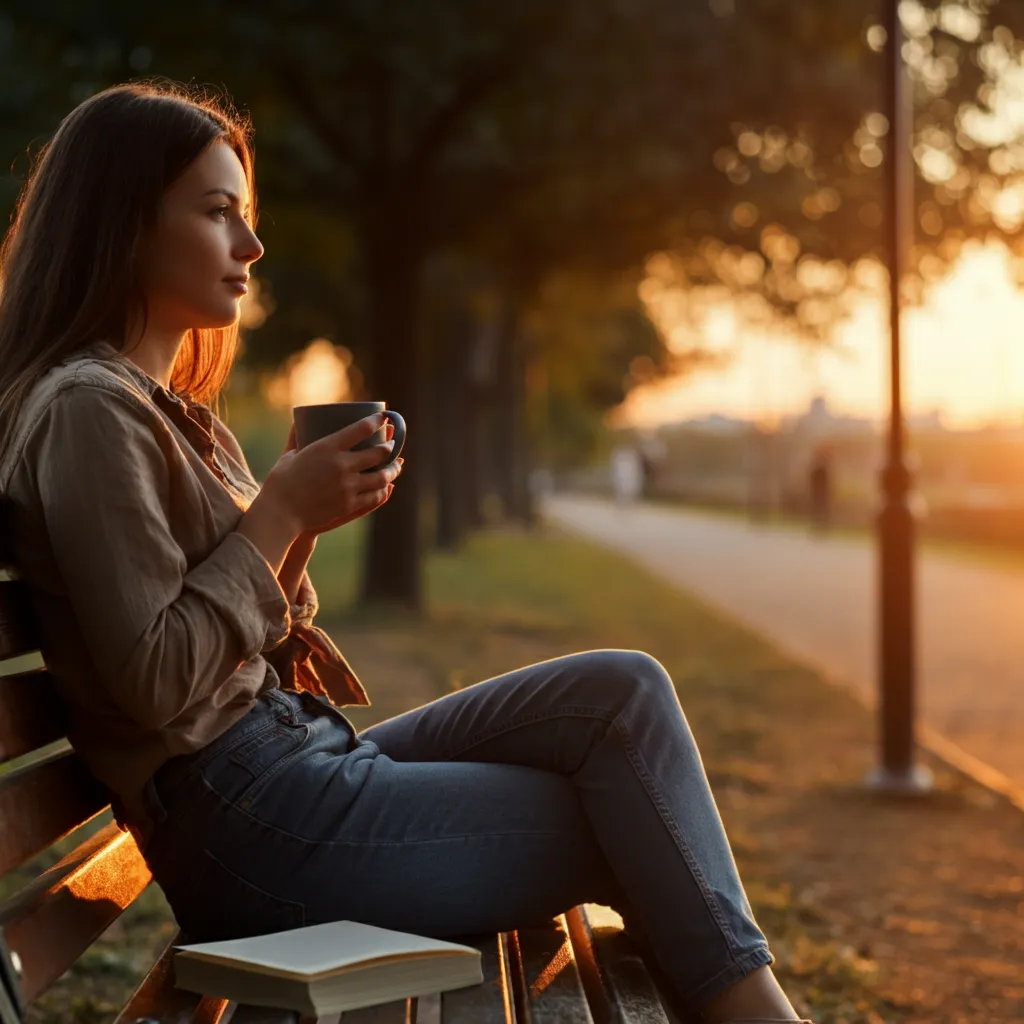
x,y
201,238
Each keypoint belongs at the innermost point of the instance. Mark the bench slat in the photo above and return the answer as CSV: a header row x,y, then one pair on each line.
x,y
401,1012
31,713
42,802
428,1009
50,925
18,634
615,977
156,998
246,1014
552,989
491,1001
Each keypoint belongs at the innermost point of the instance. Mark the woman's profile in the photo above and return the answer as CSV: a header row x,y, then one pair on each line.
x,y
177,613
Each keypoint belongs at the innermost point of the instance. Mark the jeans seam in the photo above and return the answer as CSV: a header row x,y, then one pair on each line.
x,y
245,812
576,710
265,893
661,805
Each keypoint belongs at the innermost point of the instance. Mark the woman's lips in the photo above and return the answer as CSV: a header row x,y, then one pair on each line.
x,y
239,286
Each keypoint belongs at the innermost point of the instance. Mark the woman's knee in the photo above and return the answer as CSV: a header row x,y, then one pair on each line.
x,y
637,674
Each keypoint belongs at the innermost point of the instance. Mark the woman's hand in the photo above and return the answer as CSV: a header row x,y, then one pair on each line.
x,y
324,485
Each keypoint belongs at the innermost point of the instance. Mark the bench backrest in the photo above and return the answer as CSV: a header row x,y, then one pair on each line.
x,y
46,792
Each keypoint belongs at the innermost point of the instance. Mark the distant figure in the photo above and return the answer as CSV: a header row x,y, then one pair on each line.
x,y
627,474
541,483
652,452
820,481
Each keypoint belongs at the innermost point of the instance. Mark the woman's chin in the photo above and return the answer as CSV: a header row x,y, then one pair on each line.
x,y
224,317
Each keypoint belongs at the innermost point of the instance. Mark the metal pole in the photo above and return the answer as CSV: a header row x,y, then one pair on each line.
x,y
896,525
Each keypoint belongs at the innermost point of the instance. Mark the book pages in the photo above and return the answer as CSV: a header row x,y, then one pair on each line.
x,y
322,949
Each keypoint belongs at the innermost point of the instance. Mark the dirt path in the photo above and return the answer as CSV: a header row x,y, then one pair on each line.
x,y
816,599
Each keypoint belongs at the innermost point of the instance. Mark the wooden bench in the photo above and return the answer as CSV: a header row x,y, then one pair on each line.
x,y
575,970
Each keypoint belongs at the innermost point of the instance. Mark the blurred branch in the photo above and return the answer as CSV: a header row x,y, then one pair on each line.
x,y
447,120
298,89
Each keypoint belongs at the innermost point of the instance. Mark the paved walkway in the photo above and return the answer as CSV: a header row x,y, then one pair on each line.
x,y
815,598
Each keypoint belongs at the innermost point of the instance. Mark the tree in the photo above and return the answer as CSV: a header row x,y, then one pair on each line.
x,y
580,136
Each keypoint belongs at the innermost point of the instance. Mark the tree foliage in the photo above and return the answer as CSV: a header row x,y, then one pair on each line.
x,y
554,142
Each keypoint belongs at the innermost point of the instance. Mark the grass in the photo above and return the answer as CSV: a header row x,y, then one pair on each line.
x,y
877,912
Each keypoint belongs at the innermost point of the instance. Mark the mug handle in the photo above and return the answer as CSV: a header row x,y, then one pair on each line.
x,y
399,438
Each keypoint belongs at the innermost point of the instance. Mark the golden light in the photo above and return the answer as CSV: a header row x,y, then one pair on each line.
x,y
256,305
322,372
965,350
118,874
558,963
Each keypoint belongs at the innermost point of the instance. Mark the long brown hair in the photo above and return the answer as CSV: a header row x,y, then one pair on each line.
x,y
67,263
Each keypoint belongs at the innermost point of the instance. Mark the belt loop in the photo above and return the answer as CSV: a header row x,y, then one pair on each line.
x,y
287,705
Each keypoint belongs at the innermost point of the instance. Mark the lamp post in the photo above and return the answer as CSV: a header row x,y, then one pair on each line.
x,y
897,772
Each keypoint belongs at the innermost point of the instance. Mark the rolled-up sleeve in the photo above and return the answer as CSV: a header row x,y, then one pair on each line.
x,y
161,635
307,604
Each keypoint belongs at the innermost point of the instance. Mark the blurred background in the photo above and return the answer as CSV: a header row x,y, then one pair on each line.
x,y
621,264
548,232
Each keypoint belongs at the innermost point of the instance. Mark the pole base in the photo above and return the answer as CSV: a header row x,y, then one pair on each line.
x,y
914,781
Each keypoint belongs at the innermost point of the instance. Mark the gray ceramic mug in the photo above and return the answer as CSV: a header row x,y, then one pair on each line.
x,y
315,421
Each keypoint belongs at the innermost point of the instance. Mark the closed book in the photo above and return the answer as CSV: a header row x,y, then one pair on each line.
x,y
325,968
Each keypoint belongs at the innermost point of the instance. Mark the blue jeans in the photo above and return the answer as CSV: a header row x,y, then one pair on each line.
x,y
499,806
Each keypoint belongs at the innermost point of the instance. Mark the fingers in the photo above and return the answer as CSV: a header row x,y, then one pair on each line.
x,y
364,504
368,458
375,498
381,478
351,435
372,500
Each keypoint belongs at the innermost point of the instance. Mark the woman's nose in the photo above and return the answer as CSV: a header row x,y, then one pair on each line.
x,y
250,249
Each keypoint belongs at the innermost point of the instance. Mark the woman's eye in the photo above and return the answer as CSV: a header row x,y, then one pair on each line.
x,y
221,209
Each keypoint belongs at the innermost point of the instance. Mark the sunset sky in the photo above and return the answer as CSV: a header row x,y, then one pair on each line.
x,y
964,355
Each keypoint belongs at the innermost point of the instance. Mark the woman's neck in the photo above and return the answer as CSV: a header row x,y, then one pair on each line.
x,y
156,355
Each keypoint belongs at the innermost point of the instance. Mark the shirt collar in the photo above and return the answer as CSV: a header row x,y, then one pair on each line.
x,y
104,349
194,418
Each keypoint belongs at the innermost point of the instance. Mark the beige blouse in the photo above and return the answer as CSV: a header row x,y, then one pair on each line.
x,y
160,623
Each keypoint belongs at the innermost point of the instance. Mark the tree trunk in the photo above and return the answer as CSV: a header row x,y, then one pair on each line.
x,y
392,555
511,441
477,375
449,400
522,465
472,442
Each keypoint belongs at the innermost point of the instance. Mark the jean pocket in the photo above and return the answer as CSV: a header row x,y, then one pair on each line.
x,y
265,756
240,774
218,903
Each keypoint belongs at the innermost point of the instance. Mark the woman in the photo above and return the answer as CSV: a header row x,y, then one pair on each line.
x,y
177,613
